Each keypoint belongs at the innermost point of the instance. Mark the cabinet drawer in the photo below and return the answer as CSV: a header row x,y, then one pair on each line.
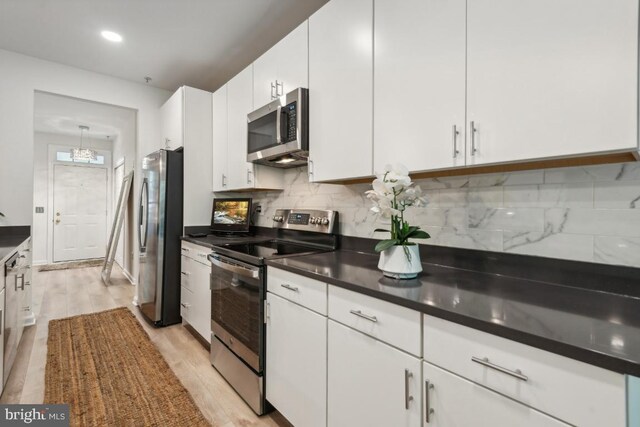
x,y
195,252
573,391
391,323
299,289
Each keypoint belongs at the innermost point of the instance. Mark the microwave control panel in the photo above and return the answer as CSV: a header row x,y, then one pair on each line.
x,y
290,123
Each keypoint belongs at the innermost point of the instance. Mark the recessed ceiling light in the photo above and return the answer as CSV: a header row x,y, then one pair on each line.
x,y
111,36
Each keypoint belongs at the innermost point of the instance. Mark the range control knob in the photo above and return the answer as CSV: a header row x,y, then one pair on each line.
x,y
325,221
278,218
313,220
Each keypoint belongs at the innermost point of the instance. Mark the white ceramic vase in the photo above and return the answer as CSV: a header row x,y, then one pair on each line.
x,y
395,263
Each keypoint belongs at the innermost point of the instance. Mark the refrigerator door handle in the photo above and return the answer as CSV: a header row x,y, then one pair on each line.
x,y
144,214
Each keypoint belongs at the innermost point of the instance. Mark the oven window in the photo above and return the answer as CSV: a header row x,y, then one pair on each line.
x,y
236,305
262,133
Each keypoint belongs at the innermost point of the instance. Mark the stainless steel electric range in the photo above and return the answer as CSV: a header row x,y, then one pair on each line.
x,y
238,291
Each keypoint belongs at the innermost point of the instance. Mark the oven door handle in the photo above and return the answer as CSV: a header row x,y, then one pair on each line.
x,y
237,269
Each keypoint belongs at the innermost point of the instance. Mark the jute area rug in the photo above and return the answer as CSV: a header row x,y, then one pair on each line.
x,y
107,369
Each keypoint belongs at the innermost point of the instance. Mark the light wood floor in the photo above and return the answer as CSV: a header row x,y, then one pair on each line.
x,y
64,293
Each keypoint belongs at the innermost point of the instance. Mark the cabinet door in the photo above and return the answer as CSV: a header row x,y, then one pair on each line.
x,y
296,362
239,103
370,383
200,310
265,70
340,90
293,64
419,84
219,123
172,117
456,402
551,78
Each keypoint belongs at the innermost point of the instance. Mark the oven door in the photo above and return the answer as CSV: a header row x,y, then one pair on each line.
x,y
237,309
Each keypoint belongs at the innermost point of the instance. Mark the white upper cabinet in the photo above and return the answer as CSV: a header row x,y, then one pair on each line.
x,y
231,169
282,68
549,78
419,84
186,122
239,104
172,119
219,110
340,90
197,155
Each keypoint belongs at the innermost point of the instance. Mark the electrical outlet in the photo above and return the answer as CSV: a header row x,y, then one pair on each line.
x,y
39,209
258,209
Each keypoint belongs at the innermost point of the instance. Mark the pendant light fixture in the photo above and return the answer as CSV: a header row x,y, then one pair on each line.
x,y
82,154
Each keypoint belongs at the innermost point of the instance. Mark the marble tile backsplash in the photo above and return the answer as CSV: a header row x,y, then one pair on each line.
x,y
589,213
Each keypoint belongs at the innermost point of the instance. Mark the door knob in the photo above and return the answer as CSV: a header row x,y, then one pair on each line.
x,y
57,213
57,220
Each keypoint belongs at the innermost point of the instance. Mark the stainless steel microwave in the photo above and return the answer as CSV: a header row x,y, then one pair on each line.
x,y
278,133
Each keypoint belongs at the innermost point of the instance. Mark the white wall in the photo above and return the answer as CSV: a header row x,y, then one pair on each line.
x,y
20,77
124,147
42,221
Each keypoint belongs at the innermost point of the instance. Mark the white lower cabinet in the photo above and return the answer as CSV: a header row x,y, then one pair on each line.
x,y
195,297
369,382
453,401
296,356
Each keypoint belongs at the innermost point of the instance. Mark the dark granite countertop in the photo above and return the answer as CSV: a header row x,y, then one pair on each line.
x,y
588,323
10,238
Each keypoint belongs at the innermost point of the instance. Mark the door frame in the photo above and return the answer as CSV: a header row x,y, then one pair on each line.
x,y
51,161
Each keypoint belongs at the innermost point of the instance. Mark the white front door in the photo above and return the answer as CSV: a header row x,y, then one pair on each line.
x,y
118,176
80,212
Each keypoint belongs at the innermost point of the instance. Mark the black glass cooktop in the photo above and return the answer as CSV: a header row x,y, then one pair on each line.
x,y
269,249
257,252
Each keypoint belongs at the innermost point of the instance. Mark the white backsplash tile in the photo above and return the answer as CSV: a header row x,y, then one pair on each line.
x,y
548,244
617,195
617,250
589,213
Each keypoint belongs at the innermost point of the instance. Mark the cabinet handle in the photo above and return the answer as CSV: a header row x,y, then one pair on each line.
x,y
224,180
485,362
427,406
456,132
273,86
184,273
167,142
185,305
407,398
359,313
281,92
473,130
249,172
267,307
186,249
291,288
310,168
201,255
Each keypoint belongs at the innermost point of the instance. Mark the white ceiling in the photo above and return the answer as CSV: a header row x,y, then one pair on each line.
x,y
199,43
62,115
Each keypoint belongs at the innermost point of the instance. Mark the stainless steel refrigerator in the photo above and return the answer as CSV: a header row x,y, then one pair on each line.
x,y
159,231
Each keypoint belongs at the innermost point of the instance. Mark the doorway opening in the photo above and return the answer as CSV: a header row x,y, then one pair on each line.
x,y
75,197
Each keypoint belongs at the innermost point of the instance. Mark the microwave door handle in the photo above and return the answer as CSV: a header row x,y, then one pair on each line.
x,y
278,125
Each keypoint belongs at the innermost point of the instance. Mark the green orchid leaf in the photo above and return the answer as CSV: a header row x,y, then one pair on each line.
x,y
385,244
419,234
